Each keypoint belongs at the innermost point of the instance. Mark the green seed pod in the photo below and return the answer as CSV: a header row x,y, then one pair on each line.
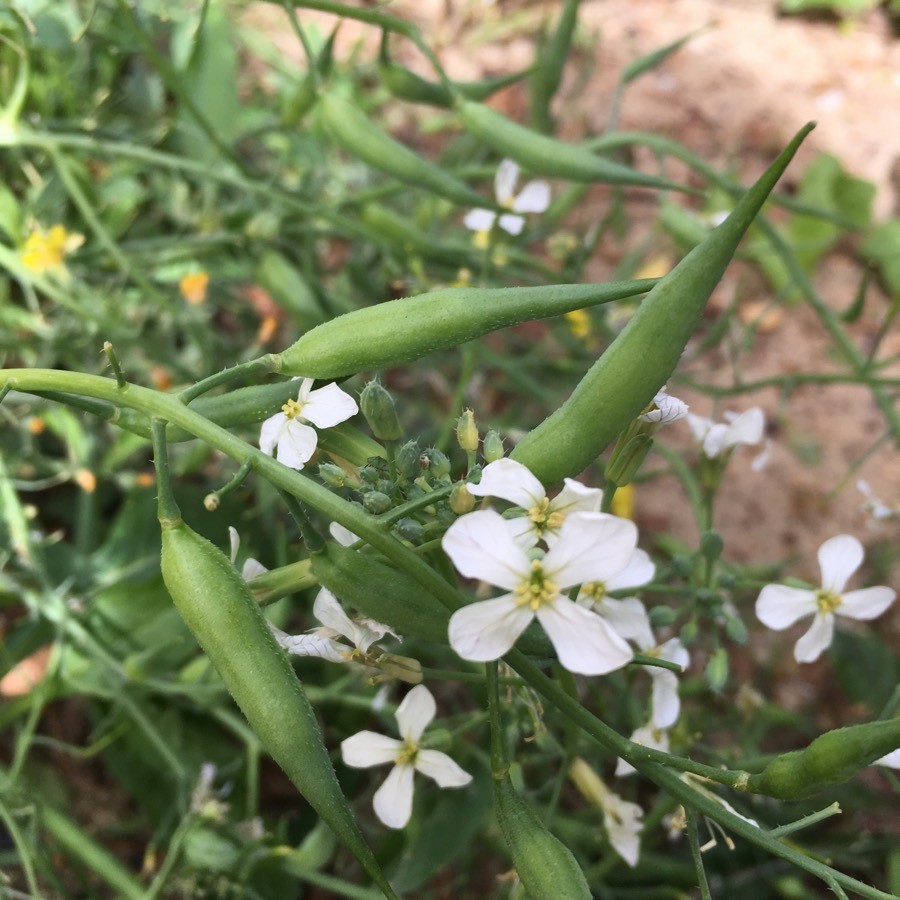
x,y
829,761
349,127
637,364
403,330
377,406
381,592
544,864
544,155
218,608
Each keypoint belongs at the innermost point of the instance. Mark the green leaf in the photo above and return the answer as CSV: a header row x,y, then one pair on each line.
x,y
882,249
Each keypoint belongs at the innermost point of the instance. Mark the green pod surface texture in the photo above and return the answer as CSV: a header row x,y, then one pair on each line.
x,y
399,331
830,760
621,383
217,607
544,864
406,85
349,127
542,155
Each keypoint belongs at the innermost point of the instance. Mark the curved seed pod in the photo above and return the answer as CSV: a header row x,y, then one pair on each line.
x,y
543,155
544,864
830,760
216,605
349,127
402,330
639,361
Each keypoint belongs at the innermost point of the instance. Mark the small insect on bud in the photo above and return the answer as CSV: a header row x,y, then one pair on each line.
x,y
492,447
438,463
378,407
467,432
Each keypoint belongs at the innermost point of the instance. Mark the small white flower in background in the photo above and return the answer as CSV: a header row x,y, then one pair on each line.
x,y
623,820
664,409
648,735
285,432
344,536
393,800
715,438
876,508
205,800
252,567
761,460
533,198
510,480
590,547
779,606
891,760
665,704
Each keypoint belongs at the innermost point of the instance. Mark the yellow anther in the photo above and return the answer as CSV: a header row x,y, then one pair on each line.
x,y
291,409
828,602
536,590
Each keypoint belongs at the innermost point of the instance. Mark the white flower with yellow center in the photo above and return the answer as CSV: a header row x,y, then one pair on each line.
x,y
590,547
716,438
779,606
393,800
510,480
285,433
533,198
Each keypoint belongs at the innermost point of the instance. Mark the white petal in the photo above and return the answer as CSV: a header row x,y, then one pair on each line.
x,y
366,748
252,568
415,712
235,540
393,800
305,389
480,220
868,603
505,181
747,428
512,224
839,558
344,536
716,440
779,606
270,432
439,767
480,546
699,426
892,760
809,648
674,651
314,645
296,444
329,612
665,703
647,736
666,409
509,480
623,821
533,198
576,497
328,406
524,532
591,547
640,570
583,641
486,630
628,618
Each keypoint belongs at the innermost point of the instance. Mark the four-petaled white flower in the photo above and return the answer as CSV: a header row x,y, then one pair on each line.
x,y
876,508
664,409
715,438
393,800
285,432
510,480
590,547
779,606
533,198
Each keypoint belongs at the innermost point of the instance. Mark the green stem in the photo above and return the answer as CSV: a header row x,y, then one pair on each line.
x,y
262,366
167,508
696,855
833,810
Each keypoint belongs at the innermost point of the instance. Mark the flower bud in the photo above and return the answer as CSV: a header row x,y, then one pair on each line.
x,y
461,501
375,502
627,458
662,616
369,474
717,670
377,406
736,630
403,668
492,447
438,463
334,476
711,545
467,432
410,530
407,460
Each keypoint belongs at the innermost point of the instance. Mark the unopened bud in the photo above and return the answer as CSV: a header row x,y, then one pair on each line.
x,y
334,476
711,545
410,530
662,616
461,501
376,503
492,448
627,458
438,463
717,670
408,460
467,432
403,668
377,406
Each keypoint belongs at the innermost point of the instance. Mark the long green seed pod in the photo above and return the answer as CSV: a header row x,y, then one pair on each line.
x,y
544,864
402,330
618,387
830,760
349,127
544,155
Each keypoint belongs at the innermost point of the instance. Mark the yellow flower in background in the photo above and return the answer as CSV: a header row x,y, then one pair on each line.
x,y
45,251
193,287
623,502
579,323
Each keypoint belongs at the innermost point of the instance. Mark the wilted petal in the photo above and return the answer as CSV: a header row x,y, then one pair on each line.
x,y
328,406
329,612
480,546
315,645
779,606
665,703
270,432
484,631
505,181
480,220
839,558
415,712
809,648
439,767
393,800
533,198
512,224
366,748
509,480
640,570
868,603
296,444
590,547
583,641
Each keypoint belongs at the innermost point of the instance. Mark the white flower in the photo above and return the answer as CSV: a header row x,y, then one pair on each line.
x,y
533,198
590,547
252,567
285,432
876,508
648,735
891,760
779,606
393,800
717,437
665,704
510,480
664,409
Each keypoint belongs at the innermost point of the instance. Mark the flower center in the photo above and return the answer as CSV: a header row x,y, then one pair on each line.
x,y
292,409
543,519
595,590
407,754
828,601
536,590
